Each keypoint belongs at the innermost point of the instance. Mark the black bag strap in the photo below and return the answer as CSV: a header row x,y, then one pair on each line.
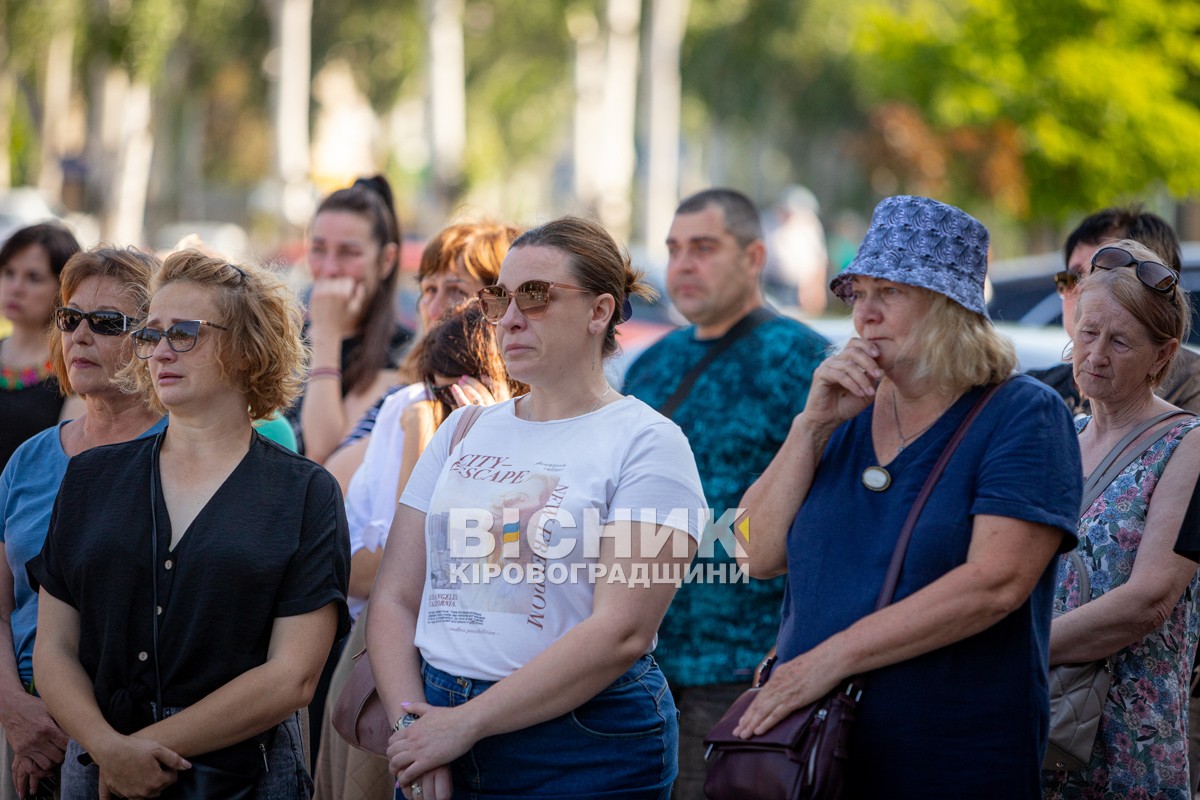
x,y
1110,467
893,573
740,328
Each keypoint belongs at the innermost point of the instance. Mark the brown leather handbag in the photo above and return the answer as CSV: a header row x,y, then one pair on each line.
x,y
358,715
806,756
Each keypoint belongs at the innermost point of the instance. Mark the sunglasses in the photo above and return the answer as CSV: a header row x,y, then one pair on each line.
x,y
1066,280
103,323
532,299
181,337
444,394
1154,275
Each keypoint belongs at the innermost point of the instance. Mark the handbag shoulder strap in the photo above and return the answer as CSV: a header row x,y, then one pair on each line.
x,y
893,573
465,422
742,327
1085,583
1109,468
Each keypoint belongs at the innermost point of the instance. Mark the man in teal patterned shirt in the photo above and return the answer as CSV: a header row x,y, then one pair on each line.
x,y
736,414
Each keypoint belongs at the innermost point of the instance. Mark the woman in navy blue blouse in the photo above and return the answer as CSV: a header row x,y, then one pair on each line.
x,y
956,702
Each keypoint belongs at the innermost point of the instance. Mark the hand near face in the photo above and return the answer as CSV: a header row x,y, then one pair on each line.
x,y
336,306
844,384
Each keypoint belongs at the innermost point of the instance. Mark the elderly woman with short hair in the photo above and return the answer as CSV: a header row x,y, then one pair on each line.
x,y
955,703
1130,318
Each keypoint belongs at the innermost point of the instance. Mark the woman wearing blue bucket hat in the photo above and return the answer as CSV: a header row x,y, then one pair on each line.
x,y
955,700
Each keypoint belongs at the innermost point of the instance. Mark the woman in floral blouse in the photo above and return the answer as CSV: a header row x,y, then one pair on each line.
x,y
1129,322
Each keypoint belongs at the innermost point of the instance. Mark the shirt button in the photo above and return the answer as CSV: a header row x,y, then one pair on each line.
x,y
142,656
159,609
169,564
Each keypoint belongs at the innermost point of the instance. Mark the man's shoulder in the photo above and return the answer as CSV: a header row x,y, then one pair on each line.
x,y
793,331
678,345
1182,386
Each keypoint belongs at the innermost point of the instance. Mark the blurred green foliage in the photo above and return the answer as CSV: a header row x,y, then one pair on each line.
x,y
1083,102
1038,109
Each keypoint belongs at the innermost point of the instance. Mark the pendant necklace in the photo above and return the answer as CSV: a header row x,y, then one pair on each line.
x,y
878,479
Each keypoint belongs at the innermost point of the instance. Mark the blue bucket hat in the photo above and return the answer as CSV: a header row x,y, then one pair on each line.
x,y
921,242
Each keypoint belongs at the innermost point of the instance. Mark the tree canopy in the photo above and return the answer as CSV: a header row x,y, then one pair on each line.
x,y
1043,108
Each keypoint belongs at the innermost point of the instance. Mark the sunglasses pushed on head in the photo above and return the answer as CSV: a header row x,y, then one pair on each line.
x,y
1154,275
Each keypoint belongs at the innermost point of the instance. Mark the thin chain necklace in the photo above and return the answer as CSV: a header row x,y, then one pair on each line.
x,y
599,402
900,433
877,478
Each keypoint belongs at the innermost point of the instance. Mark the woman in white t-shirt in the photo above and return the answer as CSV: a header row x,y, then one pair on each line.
x,y
530,564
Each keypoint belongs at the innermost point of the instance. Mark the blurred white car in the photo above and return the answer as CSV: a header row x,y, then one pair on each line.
x,y
1037,347
20,207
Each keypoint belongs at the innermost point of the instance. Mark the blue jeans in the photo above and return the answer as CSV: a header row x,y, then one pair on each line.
x,y
622,743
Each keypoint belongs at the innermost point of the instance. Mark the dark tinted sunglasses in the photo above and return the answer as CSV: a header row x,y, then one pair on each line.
x,y
103,323
532,299
1153,274
443,393
181,337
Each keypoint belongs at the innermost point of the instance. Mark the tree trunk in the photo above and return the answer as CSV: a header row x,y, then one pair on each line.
x,y
56,108
8,86
617,163
668,23
589,106
292,24
131,179
447,97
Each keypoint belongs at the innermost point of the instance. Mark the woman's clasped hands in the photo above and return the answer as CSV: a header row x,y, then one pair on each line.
x,y
419,755
135,768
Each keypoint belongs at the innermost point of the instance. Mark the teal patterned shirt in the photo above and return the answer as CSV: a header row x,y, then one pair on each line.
x,y
736,417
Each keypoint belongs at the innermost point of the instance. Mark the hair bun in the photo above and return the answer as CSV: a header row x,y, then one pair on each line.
x,y
380,186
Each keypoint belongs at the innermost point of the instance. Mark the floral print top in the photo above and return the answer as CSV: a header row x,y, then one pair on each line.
x,y
1141,749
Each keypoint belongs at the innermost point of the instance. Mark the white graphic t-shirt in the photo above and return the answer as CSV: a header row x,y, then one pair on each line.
x,y
513,518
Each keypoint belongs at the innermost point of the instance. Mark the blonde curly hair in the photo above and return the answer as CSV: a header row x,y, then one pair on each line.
x,y
261,352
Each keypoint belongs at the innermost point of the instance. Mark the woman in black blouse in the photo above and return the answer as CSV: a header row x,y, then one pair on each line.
x,y
191,584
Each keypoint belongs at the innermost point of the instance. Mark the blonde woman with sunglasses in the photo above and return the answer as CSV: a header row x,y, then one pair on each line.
x,y
539,682
192,583
104,297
